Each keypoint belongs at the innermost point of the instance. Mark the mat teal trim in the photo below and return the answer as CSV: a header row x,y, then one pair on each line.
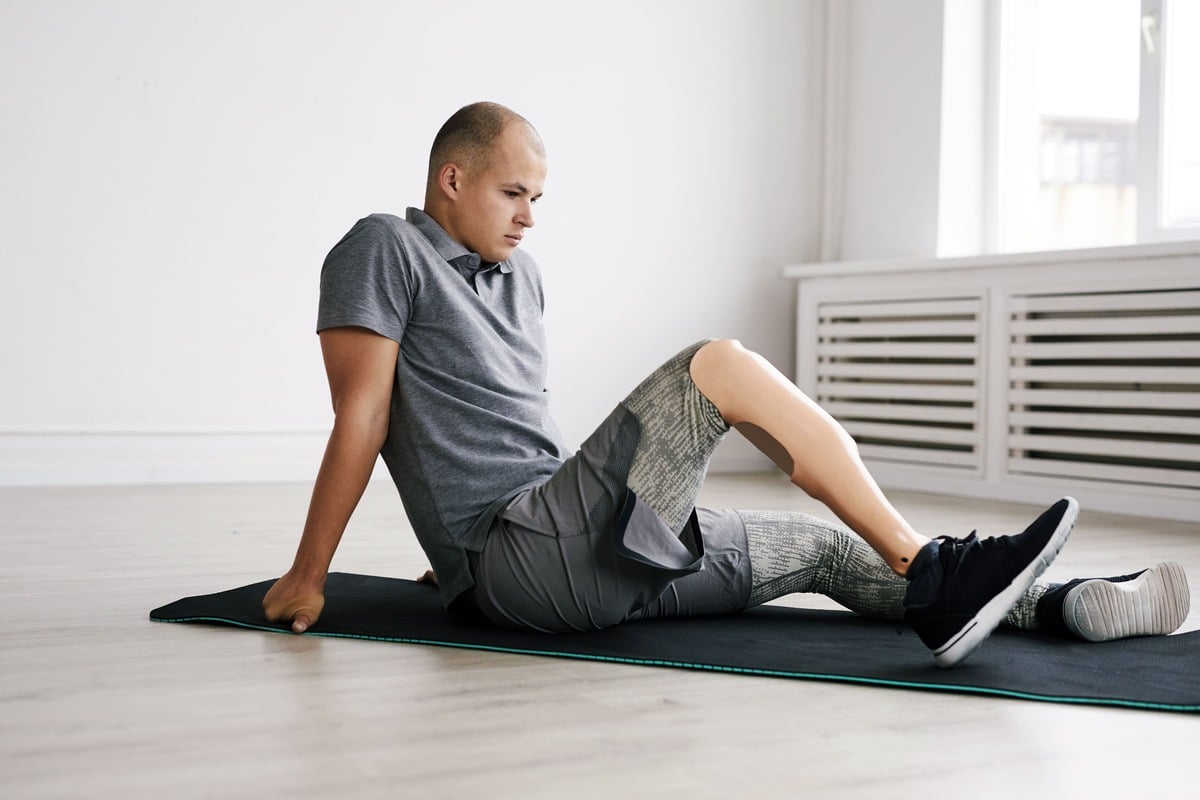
x,y
831,677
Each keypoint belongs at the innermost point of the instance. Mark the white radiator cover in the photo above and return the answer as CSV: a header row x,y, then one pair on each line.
x,y
1018,377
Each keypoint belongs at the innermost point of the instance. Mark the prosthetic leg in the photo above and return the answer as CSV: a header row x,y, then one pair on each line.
x,y
805,442
959,590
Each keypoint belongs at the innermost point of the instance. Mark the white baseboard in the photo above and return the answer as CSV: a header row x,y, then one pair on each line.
x,y
76,459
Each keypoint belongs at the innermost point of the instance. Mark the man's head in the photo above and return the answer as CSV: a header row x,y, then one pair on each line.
x,y
486,169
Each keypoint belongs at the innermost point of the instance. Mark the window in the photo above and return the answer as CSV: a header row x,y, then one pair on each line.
x,y
1171,117
1097,142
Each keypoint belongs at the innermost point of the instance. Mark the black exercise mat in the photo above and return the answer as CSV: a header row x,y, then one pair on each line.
x,y
1158,672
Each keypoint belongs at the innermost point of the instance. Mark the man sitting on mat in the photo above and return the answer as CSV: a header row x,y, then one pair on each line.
x,y
431,330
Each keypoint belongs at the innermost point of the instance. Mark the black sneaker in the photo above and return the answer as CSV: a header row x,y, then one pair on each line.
x,y
1152,602
960,589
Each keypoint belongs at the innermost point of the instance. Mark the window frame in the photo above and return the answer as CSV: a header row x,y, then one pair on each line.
x,y
1151,90
1154,20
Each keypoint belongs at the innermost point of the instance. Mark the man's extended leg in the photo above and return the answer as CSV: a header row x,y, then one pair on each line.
x,y
792,552
960,589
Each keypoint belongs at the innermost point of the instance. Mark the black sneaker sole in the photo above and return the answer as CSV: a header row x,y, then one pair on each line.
x,y
979,627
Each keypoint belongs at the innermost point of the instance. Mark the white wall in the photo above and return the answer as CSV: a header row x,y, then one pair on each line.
x,y
892,129
965,130
173,174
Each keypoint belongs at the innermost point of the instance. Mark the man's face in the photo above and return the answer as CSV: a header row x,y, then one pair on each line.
x,y
495,206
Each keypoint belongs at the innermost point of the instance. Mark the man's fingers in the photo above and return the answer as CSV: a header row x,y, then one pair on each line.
x,y
303,618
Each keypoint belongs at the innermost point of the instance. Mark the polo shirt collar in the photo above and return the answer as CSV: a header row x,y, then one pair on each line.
x,y
446,247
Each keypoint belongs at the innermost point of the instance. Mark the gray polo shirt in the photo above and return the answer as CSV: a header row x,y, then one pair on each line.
x,y
470,423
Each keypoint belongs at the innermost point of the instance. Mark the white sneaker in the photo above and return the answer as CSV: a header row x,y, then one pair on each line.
x,y
1152,602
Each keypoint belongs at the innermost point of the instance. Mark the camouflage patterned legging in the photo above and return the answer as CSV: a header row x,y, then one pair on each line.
x,y
794,552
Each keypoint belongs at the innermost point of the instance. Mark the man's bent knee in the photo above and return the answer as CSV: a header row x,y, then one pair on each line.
x,y
713,365
715,357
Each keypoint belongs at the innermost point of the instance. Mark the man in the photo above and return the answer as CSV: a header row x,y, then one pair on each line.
x,y
434,347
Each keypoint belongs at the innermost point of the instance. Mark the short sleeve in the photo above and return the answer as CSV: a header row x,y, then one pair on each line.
x,y
365,281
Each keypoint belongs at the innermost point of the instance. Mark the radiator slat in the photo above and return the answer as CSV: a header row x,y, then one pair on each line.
x,y
1106,326
1115,375
898,329
1183,402
1128,423
913,455
907,350
1107,350
1129,449
1119,301
1112,473
917,434
940,307
899,411
933,393
902,371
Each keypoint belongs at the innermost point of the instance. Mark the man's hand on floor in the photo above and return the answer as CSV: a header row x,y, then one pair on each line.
x,y
295,601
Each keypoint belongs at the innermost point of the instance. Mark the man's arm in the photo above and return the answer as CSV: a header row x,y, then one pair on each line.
x,y
361,367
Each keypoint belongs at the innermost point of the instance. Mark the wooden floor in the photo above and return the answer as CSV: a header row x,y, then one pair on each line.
x,y
99,702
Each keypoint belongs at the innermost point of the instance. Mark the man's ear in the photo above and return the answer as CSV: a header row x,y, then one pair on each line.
x,y
449,180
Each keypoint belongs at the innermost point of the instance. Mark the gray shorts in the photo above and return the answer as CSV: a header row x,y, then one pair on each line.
x,y
614,534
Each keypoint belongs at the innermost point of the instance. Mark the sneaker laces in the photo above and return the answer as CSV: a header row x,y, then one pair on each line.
x,y
928,573
955,551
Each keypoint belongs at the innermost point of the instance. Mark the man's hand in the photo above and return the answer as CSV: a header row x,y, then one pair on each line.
x,y
294,601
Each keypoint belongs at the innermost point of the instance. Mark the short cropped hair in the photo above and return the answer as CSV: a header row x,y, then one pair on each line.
x,y
468,137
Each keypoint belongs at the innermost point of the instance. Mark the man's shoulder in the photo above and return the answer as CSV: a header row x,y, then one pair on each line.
x,y
388,225
388,237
